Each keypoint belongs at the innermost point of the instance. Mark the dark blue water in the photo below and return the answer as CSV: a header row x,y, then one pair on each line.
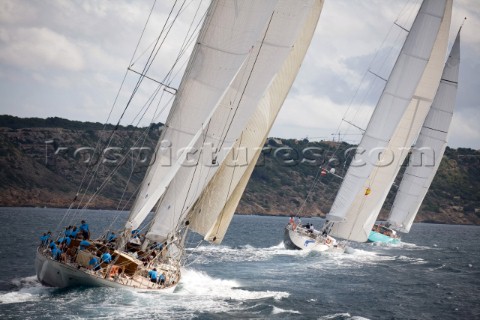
x,y
435,274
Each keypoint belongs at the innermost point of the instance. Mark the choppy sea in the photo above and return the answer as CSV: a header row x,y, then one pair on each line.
x,y
433,274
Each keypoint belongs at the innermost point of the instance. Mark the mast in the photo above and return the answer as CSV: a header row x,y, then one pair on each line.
x,y
429,148
352,214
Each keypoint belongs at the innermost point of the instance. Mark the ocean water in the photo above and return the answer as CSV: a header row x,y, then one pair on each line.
x,y
433,274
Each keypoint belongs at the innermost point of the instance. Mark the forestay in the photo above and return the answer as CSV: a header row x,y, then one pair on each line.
x,y
429,149
352,221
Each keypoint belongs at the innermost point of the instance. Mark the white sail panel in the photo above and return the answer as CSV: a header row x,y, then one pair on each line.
x,y
382,177
394,101
229,32
232,114
212,213
429,149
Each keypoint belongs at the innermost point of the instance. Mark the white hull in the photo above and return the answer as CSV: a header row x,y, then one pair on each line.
x,y
300,239
57,274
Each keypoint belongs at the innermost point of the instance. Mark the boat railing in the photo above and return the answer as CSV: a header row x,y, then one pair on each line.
x,y
115,272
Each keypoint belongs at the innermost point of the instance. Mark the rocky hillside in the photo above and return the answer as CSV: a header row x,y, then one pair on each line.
x,y
43,162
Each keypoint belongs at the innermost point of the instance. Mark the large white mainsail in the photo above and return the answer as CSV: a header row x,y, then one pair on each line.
x,y
382,177
214,210
235,108
350,220
230,30
429,148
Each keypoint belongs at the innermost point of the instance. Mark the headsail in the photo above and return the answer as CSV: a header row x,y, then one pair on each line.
x,y
231,116
352,221
429,148
229,32
214,210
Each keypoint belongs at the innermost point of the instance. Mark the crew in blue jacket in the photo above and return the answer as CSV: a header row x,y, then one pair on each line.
x,y
74,232
85,230
56,253
84,244
52,245
106,257
45,238
111,237
94,263
153,275
161,279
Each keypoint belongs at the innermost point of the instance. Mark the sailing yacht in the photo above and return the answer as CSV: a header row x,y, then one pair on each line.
x,y
241,68
395,122
306,237
429,150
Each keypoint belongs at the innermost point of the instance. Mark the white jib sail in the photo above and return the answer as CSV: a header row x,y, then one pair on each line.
x,y
394,101
230,30
429,149
212,213
230,118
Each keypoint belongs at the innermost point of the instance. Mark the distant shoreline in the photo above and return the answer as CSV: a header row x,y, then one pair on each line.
x,y
241,214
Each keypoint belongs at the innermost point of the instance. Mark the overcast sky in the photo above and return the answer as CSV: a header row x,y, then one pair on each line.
x,y
68,58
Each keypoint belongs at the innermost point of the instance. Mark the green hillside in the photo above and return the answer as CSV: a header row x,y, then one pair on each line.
x,y
42,162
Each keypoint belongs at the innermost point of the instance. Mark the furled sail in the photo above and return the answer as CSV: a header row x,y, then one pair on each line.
x,y
230,30
353,213
429,149
228,120
212,213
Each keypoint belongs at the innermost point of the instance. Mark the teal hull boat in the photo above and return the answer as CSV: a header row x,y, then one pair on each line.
x,y
378,237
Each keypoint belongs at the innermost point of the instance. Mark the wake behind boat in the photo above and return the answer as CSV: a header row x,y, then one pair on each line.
x,y
306,237
99,265
242,66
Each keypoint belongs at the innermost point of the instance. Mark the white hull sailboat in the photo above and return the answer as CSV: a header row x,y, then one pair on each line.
x,y
394,125
242,66
58,274
300,238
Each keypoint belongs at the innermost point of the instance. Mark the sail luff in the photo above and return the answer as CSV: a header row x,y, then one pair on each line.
x,y
394,101
241,101
225,40
214,210
429,148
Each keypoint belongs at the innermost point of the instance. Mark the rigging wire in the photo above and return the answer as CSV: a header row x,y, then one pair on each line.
x,y
95,168
139,81
183,49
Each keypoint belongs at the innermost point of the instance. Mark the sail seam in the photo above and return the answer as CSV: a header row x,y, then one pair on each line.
x,y
433,129
416,176
397,96
223,51
416,56
449,81
422,98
